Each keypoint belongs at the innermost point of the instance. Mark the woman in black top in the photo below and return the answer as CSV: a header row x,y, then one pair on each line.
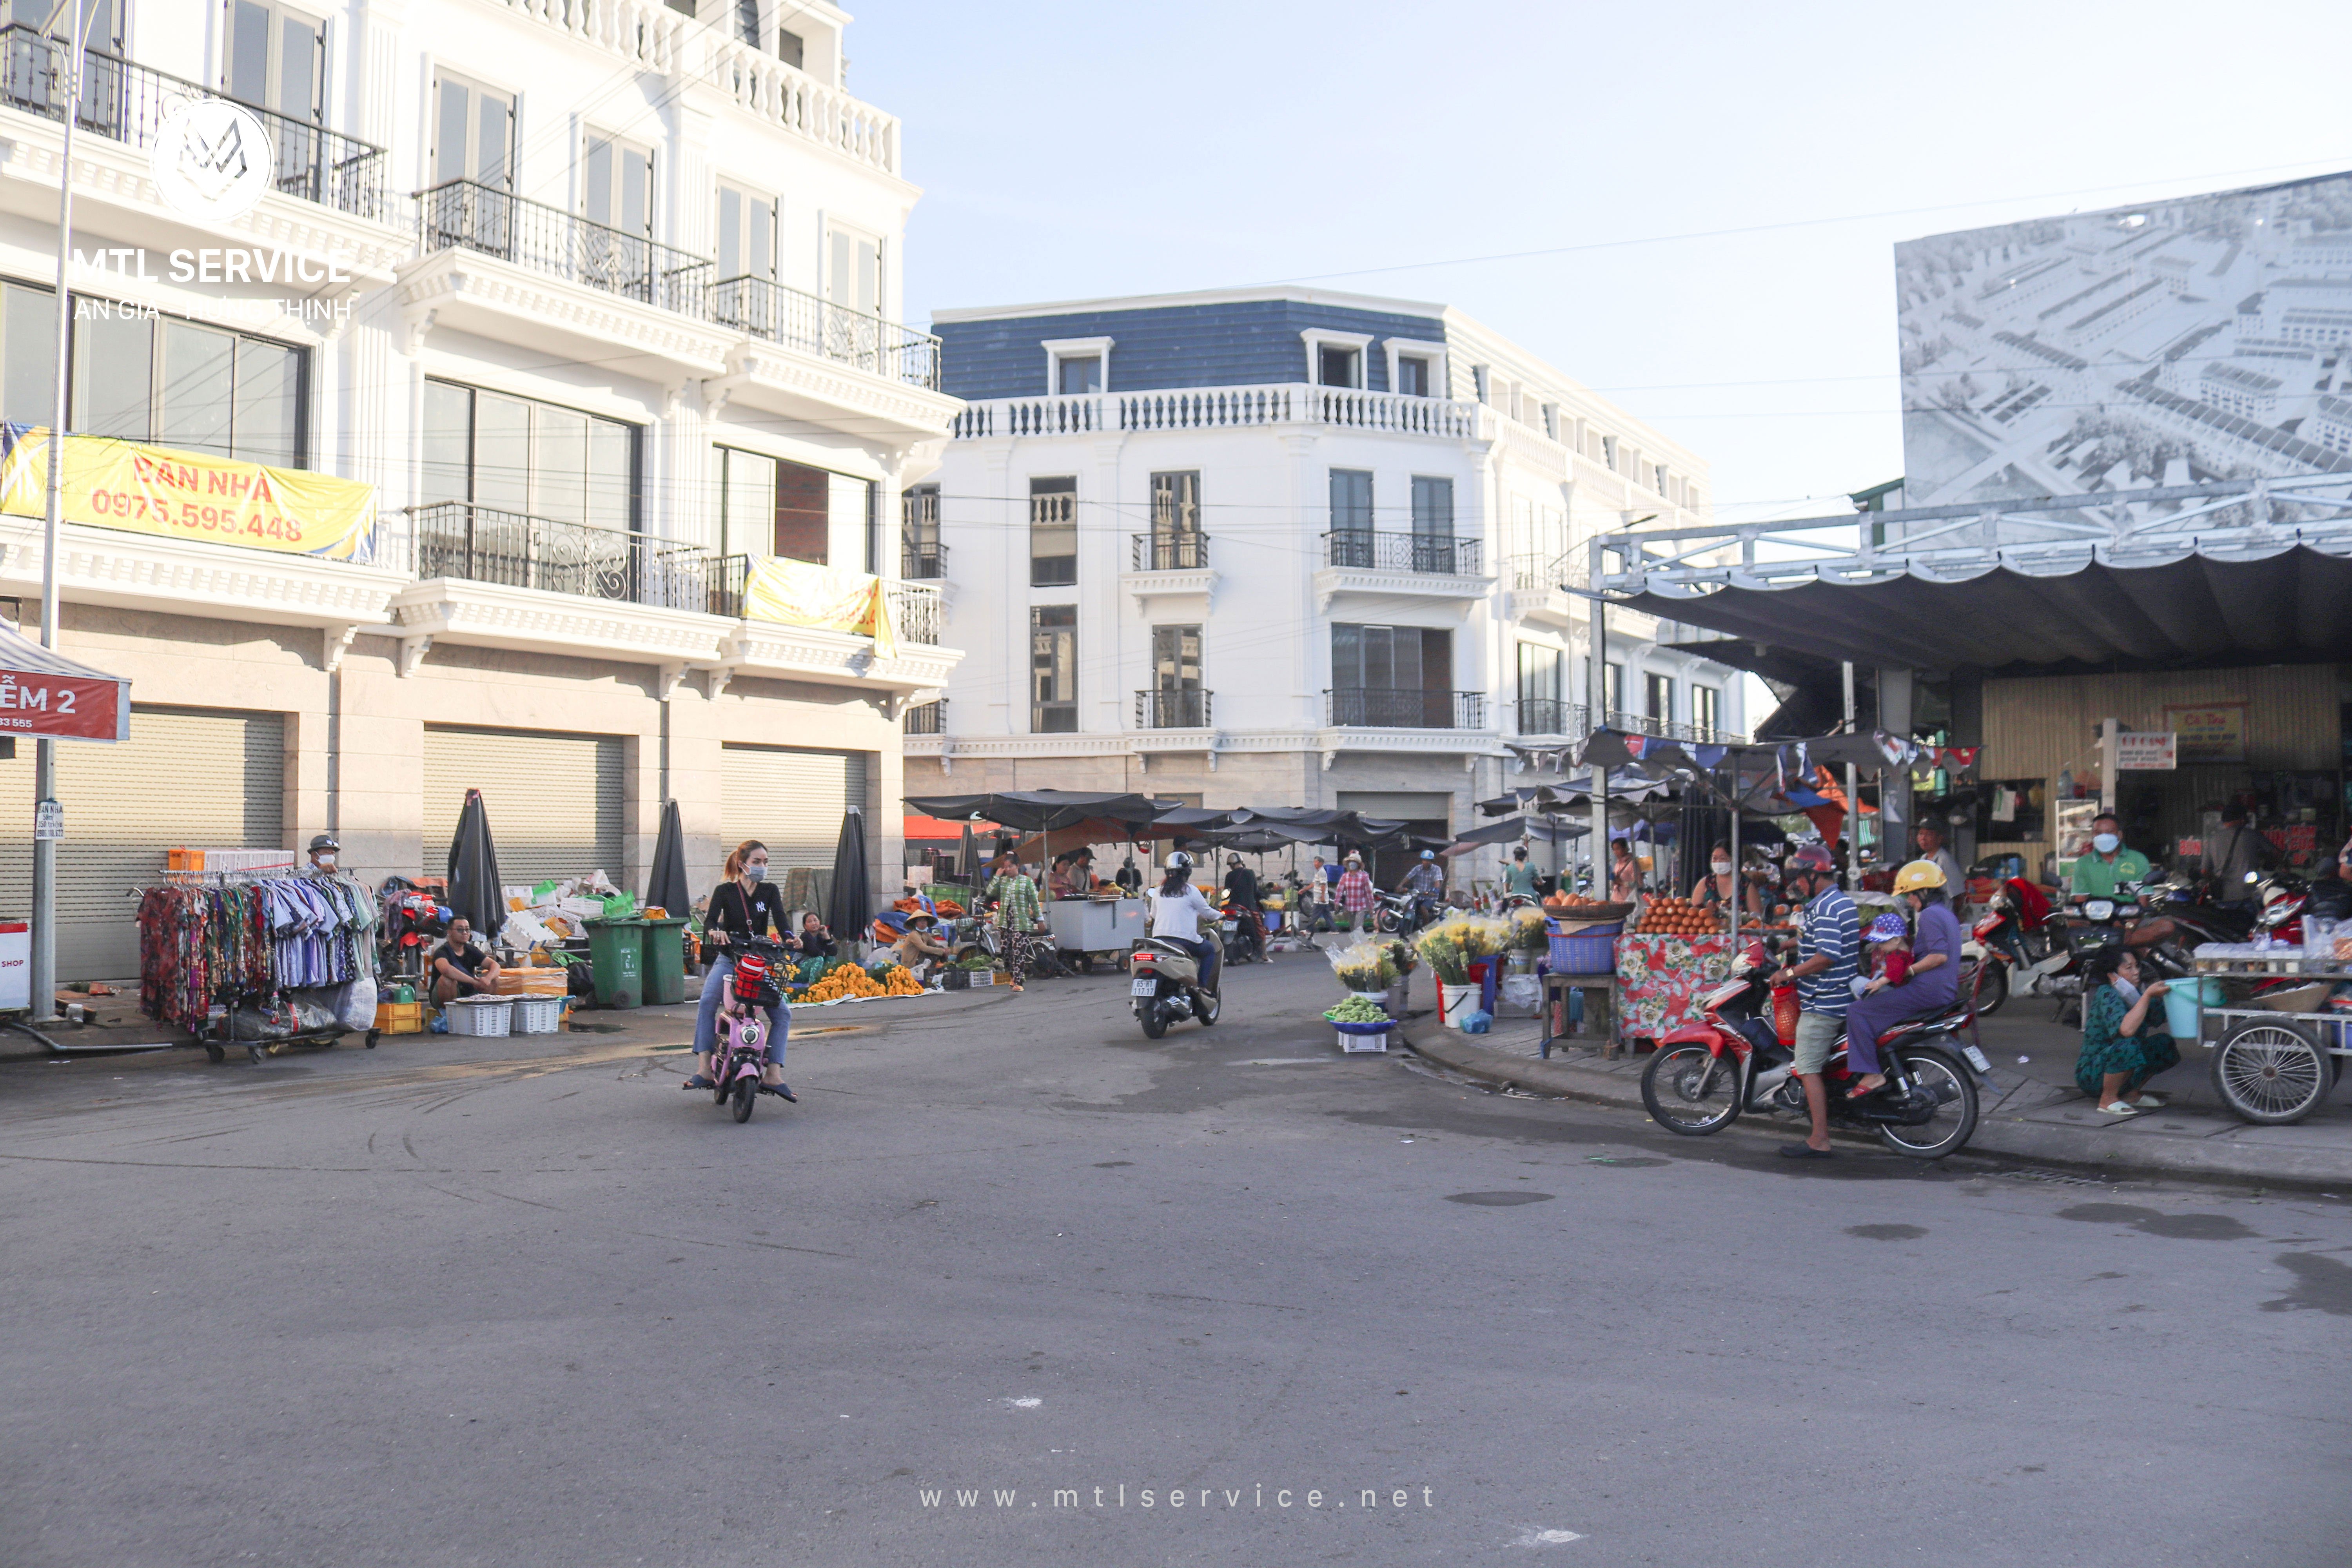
x,y
744,905
815,940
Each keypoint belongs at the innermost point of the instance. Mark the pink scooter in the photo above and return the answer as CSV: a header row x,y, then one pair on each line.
x,y
741,1048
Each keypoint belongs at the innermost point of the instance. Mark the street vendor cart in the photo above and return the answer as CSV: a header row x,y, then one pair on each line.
x,y
2266,1014
1088,929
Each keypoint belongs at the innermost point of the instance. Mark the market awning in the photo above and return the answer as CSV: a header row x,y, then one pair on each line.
x,y
2230,598
46,695
1511,829
919,828
1039,810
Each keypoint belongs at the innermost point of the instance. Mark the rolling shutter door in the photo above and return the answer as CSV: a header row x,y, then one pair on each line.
x,y
556,803
194,777
793,802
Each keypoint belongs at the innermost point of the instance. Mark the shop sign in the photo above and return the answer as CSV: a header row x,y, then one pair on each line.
x,y
63,706
801,594
189,495
211,160
2209,732
2154,752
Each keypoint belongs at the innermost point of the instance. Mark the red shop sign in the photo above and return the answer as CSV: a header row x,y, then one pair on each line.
x,y
45,694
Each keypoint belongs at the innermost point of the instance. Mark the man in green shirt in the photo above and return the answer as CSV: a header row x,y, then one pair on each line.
x,y
1518,876
2106,863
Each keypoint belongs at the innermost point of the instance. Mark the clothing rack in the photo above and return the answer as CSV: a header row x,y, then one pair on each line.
x,y
210,942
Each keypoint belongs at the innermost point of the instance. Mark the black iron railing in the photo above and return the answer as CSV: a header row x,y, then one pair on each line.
x,y
125,101
1174,709
1181,551
766,308
929,719
1550,716
463,215
1434,555
922,561
1374,707
482,544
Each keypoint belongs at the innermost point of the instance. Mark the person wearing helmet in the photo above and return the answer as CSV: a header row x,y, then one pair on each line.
x,y
1177,910
1827,961
1930,984
1246,903
1425,883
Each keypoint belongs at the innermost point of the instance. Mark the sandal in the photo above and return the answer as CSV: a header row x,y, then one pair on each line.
x,y
780,1090
2147,1101
698,1082
2120,1107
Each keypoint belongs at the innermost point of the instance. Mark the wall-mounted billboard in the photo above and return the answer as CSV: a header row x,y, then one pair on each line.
x,y
2178,342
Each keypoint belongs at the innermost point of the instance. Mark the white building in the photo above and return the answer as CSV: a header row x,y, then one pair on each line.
x,y
613,307
1281,546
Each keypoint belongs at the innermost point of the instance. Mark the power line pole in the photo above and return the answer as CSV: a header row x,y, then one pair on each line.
x,y
44,750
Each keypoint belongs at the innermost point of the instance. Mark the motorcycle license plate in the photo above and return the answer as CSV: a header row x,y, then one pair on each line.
x,y
1977,1058
1144,988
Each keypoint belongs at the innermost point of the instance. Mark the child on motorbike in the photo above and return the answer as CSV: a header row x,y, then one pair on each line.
x,y
1888,943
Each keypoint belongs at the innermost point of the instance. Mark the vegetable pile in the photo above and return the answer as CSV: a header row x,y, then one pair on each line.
x,y
1358,1010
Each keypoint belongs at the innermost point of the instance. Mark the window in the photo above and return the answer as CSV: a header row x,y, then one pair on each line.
x,y
1053,532
1080,374
1176,658
921,556
1413,376
617,185
276,59
1054,669
518,456
1176,543
790,49
1338,366
1541,710
1658,696
1612,684
1352,501
1706,710
1391,677
473,136
1077,367
746,235
1433,507
747,21
854,282
768,506
176,384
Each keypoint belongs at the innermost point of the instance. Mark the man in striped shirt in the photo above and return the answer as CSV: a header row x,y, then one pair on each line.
x,y
1828,959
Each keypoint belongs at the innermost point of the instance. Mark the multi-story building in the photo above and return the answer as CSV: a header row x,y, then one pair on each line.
x,y
603,300
1281,546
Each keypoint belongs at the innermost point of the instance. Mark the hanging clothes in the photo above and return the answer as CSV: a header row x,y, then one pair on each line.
x,y
207,945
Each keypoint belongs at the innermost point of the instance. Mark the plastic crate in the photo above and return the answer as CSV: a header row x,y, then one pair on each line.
x,y
481,1016
1592,951
538,1014
400,1018
1363,1036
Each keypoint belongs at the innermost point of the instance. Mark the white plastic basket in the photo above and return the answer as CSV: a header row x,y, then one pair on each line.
x,y
538,1014
481,1016
1348,1042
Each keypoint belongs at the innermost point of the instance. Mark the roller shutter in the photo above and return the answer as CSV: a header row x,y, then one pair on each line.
x,y
557,803
195,777
793,802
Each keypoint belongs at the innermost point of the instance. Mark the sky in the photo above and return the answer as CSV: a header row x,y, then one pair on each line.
x,y
1714,190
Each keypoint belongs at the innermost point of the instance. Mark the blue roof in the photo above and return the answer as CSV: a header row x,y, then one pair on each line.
x,y
1234,342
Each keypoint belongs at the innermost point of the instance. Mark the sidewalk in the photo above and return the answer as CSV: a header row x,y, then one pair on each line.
x,y
2034,1111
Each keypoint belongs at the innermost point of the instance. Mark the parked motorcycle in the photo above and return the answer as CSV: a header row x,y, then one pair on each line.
x,y
2016,946
1704,1075
1164,987
1400,914
741,1048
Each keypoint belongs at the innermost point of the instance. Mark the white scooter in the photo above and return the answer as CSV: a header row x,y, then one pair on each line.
x,y
1165,987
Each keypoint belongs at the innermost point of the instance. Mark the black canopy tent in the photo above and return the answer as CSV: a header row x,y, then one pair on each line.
x,y
474,889
1043,810
666,886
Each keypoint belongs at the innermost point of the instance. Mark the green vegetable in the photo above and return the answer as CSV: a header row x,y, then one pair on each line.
x,y
1358,1010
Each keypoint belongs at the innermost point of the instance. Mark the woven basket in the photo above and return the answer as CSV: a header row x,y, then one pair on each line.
x,y
1593,949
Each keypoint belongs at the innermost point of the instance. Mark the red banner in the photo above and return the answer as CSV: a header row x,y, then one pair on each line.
x,y
66,707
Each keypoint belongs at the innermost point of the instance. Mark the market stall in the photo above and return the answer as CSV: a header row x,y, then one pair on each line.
x,y
261,962
2277,1019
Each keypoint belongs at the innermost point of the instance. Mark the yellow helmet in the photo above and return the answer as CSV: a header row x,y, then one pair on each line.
x,y
1918,874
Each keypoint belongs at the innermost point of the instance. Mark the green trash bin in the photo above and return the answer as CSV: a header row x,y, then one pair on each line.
x,y
617,950
665,969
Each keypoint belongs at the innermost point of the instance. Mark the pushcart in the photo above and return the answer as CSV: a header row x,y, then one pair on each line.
x,y
2272,1064
219,1036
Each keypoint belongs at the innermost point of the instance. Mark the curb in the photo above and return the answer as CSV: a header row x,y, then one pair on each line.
x,y
2205,1158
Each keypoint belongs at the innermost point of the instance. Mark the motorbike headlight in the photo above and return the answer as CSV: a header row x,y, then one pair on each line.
x,y
2099,909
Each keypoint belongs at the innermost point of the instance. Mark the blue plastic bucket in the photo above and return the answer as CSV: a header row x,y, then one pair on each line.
x,y
2181,999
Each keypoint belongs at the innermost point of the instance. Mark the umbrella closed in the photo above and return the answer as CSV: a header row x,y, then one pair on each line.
x,y
850,909
968,858
666,886
474,889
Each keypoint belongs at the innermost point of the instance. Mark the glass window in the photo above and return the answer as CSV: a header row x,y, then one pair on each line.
x,y
1613,686
1053,532
1706,708
473,134
747,488
1433,507
789,49
1658,693
29,328
118,399
1053,667
1352,501
447,441
1175,520
1080,374
268,403
1176,657
515,455
746,235
747,21
559,464
919,554
197,388
501,452
1336,365
855,280
1538,673
1413,376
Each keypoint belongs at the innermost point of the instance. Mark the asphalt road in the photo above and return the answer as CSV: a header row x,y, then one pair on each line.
x,y
485,1304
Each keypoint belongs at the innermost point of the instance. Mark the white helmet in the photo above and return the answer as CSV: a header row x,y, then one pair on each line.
x,y
1179,861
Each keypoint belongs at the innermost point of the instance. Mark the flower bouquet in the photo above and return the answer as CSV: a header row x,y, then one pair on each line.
x,y
1440,948
1363,967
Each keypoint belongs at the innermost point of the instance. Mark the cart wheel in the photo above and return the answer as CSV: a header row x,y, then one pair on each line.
x,y
371,1040
1085,964
2271,1073
257,1054
213,1053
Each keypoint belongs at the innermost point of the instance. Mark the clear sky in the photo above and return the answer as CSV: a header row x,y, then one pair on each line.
x,y
1071,149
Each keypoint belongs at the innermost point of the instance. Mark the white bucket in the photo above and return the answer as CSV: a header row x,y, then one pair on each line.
x,y
1456,1002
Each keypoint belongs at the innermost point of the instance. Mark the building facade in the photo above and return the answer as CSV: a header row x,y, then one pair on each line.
x,y
603,301
1280,546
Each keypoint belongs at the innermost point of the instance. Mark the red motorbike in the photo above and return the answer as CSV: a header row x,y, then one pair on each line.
x,y
1705,1074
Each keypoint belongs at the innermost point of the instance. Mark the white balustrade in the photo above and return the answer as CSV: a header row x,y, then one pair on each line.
x,y
1219,407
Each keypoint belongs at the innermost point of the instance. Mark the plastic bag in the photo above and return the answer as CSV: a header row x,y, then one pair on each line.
x,y
523,931
356,1008
1478,1023
1523,993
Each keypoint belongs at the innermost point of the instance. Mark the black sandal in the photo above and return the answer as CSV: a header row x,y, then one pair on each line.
x,y
698,1082
780,1090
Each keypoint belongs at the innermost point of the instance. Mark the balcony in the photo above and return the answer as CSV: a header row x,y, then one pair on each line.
x,y
1225,407
464,214
922,561
1538,589
766,310
1550,716
927,719
1172,709
1367,707
1389,565
482,544
1187,551
125,101
1671,729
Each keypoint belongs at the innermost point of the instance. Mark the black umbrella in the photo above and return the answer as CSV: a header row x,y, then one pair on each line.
x,y
850,909
474,889
968,858
666,886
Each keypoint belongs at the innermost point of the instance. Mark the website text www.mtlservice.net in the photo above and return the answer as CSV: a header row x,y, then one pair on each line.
x,y
1115,1496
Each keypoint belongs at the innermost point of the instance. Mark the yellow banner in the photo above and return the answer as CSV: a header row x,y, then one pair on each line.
x,y
188,495
799,593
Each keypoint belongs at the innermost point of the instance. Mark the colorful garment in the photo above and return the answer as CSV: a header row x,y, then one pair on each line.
x,y
2106,1048
1355,892
1017,900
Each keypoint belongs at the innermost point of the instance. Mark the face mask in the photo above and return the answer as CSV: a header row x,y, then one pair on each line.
x,y
756,873
2130,991
1721,868
2105,843
326,859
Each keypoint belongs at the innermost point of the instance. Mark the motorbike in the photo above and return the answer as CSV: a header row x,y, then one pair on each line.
x,y
1704,1075
1400,914
741,1047
1164,987
2017,945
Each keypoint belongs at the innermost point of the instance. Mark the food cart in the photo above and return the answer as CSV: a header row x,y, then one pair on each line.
x,y
2275,1040
1091,928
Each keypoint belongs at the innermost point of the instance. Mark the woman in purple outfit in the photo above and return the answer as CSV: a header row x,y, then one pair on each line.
x,y
1929,984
